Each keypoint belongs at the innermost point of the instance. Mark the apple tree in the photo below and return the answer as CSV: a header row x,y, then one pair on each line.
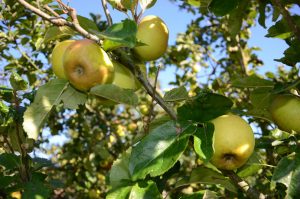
x,y
117,139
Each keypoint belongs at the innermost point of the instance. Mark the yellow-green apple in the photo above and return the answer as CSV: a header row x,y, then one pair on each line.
x,y
57,58
123,77
233,142
86,65
154,34
285,112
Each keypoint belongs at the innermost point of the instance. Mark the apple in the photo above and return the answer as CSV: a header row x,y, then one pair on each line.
x,y
57,58
233,142
123,77
86,65
285,112
154,34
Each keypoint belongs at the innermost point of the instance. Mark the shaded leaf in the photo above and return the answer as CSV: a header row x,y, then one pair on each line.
x,y
282,29
204,107
46,98
119,173
73,98
57,32
36,189
221,8
116,94
208,176
292,54
87,24
294,187
9,161
203,141
236,18
251,167
252,81
17,82
284,170
176,94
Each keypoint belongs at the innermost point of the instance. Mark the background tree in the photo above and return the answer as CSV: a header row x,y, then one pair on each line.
x,y
139,146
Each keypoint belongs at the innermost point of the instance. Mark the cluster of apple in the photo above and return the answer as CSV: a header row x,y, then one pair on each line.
x,y
85,64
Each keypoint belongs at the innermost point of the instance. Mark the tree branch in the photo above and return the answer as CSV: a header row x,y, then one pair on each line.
x,y
106,11
123,59
243,185
59,21
287,17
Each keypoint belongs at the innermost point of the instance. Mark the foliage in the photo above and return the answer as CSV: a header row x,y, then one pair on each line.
x,y
118,143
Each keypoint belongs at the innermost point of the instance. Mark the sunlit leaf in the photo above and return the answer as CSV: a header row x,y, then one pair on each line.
x,y
116,94
46,98
57,32
203,141
176,94
158,151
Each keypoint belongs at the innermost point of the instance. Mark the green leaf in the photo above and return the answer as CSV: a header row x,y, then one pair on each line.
x,y
48,96
88,24
6,181
17,82
203,141
3,108
146,4
121,34
221,7
176,94
204,107
145,190
207,176
9,161
57,32
252,166
252,81
282,29
294,187
36,189
39,163
236,18
73,98
292,54
119,174
195,3
116,94
284,170
158,151
262,13
119,192
260,99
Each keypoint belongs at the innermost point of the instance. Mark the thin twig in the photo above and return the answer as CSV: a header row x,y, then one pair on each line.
x,y
243,185
106,11
151,109
287,17
60,21
51,11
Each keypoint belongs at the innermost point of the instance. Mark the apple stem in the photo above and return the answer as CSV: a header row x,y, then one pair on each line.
x,y
243,185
